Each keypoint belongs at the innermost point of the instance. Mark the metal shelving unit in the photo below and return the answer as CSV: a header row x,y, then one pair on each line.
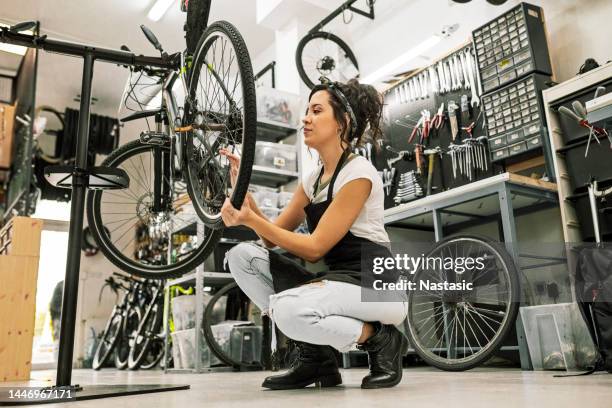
x,y
271,131
269,177
552,96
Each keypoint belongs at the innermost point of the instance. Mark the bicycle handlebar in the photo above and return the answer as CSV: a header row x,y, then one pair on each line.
x,y
168,62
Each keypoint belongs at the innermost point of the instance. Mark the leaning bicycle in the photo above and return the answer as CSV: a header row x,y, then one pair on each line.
x,y
178,177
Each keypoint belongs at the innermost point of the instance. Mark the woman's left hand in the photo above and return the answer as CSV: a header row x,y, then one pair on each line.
x,y
232,217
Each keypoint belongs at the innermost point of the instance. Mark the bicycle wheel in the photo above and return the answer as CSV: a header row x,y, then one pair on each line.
x,y
147,334
197,20
457,330
222,107
154,356
136,238
207,321
126,337
325,54
107,343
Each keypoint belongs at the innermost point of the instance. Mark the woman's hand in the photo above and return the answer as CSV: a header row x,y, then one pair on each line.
x,y
234,161
232,217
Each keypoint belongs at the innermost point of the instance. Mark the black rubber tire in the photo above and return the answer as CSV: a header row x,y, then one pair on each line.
x,y
147,330
109,338
155,354
122,347
114,255
198,12
325,35
493,347
209,336
249,117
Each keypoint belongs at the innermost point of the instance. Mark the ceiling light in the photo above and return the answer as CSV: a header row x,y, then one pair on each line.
x,y
401,60
159,9
14,49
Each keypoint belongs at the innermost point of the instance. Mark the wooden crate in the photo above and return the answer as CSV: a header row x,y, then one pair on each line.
x,y
19,275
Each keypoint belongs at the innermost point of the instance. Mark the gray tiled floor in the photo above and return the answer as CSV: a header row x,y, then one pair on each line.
x,y
420,388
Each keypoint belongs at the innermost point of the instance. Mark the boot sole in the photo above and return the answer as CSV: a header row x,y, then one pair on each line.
x,y
403,351
323,382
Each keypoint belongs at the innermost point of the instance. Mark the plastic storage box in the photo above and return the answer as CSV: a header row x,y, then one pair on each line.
x,y
557,337
277,106
264,196
245,343
183,312
283,198
271,212
276,156
183,350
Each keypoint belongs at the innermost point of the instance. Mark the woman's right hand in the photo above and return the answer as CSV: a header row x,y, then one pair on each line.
x,y
234,161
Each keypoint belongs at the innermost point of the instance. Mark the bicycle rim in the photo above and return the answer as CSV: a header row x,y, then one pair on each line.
x,y
108,341
458,330
145,336
223,106
325,54
128,332
133,236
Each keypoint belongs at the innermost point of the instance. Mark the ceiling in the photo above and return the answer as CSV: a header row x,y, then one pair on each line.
x,y
110,24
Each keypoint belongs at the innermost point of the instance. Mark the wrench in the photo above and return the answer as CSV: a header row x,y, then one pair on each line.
x,y
458,70
475,98
435,84
466,79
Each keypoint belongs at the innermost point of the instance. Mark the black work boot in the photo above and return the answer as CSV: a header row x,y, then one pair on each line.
x,y
314,364
385,350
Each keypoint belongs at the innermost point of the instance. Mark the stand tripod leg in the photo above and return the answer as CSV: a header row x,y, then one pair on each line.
x,y
77,207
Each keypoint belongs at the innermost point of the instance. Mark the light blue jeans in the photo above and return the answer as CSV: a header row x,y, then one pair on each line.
x,y
325,313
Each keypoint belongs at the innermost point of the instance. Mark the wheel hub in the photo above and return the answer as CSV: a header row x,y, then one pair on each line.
x,y
326,65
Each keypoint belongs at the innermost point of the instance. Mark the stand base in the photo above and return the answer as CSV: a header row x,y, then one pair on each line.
x,y
86,392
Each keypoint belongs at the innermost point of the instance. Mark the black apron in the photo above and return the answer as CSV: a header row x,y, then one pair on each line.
x,y
343,260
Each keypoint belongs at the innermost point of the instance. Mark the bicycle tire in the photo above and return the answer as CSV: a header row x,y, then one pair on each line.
x,y
115,255
157,356
486,352
147,330
248,116
209,336
109,338
348,53
130,324
196,22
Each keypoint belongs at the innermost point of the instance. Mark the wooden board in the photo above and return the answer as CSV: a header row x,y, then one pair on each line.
x,y
21,237
7,125
18,275
547,185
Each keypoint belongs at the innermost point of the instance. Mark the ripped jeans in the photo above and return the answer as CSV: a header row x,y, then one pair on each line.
x,y
324,313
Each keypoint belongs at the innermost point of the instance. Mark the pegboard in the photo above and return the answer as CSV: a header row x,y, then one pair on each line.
x,y
397,136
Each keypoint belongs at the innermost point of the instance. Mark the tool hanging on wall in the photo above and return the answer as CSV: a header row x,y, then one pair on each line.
x,y
471,155
431,155
452,118
408,188
579,114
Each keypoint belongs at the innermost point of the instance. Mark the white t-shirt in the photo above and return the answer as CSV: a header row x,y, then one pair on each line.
x,y
369,224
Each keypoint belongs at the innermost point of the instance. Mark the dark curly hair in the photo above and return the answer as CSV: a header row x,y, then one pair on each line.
x,y
367,105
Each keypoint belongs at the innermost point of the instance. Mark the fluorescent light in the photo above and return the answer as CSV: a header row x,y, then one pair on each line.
x,y
14,49
402,59
159,9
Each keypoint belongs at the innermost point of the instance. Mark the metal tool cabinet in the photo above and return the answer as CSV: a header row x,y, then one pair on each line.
x,y
499,198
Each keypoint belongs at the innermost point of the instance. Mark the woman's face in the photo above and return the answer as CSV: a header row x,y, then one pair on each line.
x,y
320,125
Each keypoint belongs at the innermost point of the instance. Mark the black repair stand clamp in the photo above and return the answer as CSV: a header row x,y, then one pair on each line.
x,y
79,178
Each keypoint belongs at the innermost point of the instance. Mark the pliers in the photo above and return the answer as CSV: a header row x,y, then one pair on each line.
x,y
438,119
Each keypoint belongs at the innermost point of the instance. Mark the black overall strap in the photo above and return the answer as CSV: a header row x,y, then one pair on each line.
x,y
345,154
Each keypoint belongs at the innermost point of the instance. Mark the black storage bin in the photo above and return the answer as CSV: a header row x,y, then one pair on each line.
x,y
598,163
583,212
512,46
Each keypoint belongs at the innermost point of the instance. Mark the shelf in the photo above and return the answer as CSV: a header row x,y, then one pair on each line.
x,y
210,279
270,131
272,177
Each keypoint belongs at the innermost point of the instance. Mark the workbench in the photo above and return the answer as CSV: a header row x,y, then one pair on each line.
x,y
495,199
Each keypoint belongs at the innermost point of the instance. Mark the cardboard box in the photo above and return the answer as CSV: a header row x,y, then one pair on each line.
x,y
7,130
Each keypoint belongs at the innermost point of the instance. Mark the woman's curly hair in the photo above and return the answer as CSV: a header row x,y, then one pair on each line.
x,y
367,105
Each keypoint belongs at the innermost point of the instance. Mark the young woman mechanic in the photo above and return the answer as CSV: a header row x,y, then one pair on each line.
x,y
342,201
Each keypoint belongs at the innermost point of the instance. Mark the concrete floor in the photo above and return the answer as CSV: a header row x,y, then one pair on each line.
x,y
421,387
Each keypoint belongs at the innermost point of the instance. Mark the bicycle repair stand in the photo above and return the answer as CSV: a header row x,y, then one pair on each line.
x,y
79,178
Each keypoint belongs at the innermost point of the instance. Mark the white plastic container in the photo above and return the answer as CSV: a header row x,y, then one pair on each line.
x,y
276,156
184,341
277,106
271,212
283,199
184,312
557,337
